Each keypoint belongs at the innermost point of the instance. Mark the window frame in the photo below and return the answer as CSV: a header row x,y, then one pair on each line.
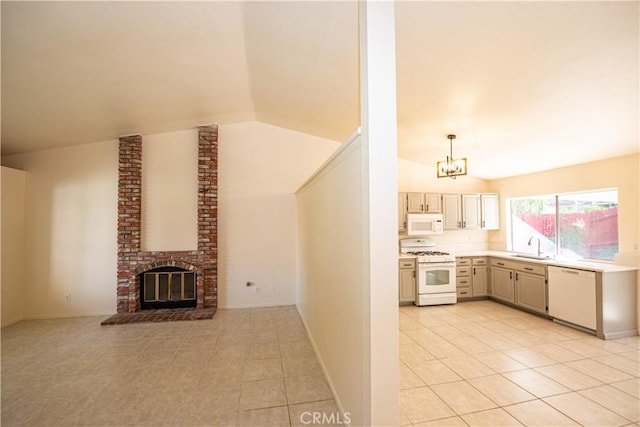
x,y
557,238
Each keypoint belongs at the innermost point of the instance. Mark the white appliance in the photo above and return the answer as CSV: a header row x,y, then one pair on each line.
x,y
424,224
436,283
572,296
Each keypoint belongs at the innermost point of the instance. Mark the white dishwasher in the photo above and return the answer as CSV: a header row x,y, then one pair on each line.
x,y
572,296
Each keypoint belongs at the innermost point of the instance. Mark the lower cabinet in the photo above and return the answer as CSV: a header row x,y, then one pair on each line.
x,y
522,284
531,291
502,284
479,276
406,281
471,277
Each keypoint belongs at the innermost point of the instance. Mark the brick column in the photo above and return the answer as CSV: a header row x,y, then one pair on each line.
x,y
129,223
208,211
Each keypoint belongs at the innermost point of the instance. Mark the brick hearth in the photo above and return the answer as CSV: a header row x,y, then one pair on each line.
x,y
131,260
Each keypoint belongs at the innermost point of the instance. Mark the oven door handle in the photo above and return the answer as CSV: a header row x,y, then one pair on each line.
x,y
431,265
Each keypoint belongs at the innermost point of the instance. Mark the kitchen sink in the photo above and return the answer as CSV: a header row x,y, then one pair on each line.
x,y
532,256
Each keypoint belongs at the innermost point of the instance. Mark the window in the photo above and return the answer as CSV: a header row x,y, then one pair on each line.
x,y
576,225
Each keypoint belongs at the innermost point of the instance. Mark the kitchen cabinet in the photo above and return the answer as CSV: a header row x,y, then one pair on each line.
x,y
451,211
402,212
463,278
489,212
479,276
415,202
471,277
432,203
423,203
406,280
531,291
522,284
502,281
471,211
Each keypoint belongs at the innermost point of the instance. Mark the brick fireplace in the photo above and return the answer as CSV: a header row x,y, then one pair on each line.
x,y
132,261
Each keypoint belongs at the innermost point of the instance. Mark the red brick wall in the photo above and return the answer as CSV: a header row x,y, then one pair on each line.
x,y
131,260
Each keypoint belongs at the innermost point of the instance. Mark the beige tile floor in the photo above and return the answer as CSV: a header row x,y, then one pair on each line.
x,y
473,363
243,367
481,363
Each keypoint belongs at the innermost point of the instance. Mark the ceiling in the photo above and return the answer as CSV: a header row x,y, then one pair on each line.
x,y
526,86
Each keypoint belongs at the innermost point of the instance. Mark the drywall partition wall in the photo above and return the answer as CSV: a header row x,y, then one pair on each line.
x,y
12,250
331,294
260,167
70,230
170,191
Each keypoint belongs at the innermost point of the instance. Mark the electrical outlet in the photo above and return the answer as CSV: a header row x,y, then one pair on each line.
x,y
67,298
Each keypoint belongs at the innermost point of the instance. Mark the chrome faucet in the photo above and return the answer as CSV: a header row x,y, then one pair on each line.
x,y
529,244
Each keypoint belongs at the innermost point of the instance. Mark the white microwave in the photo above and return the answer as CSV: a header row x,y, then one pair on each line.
x,y
424,224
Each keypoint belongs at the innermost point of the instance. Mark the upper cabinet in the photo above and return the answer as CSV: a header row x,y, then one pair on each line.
x,y
432,203
402,212
415,202
451,211
423,203
459,211
489,212
470,211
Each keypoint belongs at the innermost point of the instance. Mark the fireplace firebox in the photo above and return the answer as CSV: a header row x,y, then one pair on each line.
x,y
167,287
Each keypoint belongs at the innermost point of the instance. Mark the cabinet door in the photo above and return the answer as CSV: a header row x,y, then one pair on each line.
x,y
470,211
415,202
432,201
402,211
407,286
531,292
451,211
502,284
479,281
489,212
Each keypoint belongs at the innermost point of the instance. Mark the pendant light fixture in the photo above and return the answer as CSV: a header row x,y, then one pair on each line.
x,y
452,167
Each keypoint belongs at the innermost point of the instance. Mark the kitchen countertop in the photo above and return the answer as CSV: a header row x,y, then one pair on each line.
x,y
604,267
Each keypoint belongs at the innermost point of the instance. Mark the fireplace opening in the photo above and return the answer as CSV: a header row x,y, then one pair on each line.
x,y
167,287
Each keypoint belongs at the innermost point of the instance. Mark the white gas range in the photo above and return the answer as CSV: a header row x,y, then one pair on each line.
x,y
436,282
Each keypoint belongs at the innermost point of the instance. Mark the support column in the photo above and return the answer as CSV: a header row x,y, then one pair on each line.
x,y
379,142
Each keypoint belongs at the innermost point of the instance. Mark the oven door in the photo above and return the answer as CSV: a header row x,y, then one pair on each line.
x,y
436,278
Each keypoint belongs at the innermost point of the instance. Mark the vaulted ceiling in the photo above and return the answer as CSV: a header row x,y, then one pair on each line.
x,y
526,86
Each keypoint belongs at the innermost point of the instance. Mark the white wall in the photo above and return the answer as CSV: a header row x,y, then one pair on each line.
x,y
260,167
421,178
331,273
70,230
71,218
12,268
170,191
